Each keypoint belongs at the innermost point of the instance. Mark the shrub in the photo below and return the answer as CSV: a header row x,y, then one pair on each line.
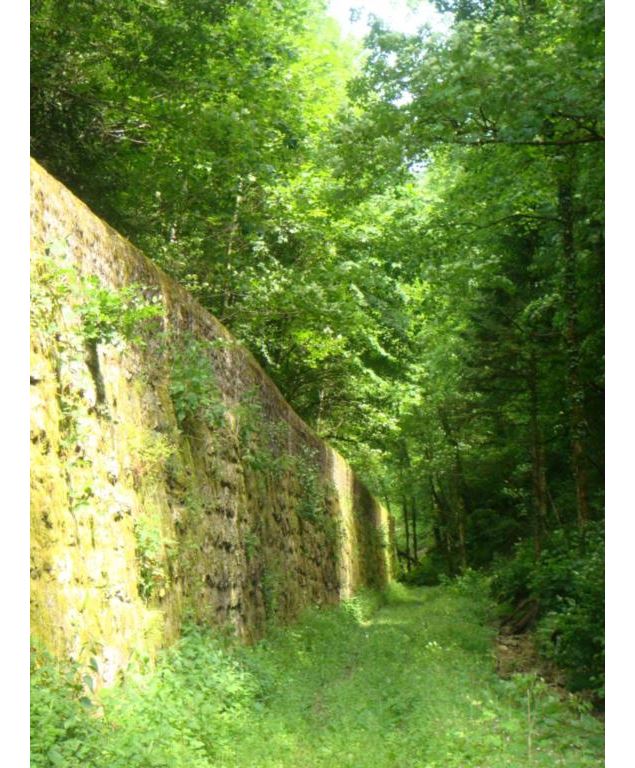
x,y
108,314
151,556
179,715
571,631
62,731
567,583
193,387
428,572
510,583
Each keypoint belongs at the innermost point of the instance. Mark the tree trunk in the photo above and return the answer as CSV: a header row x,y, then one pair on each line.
x,y
386,495
464,505
461,530
415,547
538,468
404,507
228,297
446,516
572,345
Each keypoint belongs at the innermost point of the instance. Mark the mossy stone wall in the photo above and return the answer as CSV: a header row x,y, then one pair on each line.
x,y
140,515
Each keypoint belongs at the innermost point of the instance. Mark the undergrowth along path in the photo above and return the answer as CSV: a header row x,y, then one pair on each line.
x,y
409,685
405,679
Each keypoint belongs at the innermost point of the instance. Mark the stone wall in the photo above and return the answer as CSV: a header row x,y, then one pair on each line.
x,y
158,492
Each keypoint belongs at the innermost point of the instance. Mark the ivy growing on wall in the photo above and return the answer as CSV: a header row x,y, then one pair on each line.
x,y
261,442
151,554
193,386
316,495
107,315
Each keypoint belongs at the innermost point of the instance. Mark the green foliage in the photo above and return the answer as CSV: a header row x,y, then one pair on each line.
x,y
332,529
53,282
365,603
252,545
271,584
182,714
62,730
393,304
416,258
567,581
193,387
311,504
251,427
151,553
262,443
316,496
428,571
497,431
107,314
511,581
150,453
383,680
570,583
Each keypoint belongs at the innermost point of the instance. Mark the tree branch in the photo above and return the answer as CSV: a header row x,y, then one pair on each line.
x,y
521,143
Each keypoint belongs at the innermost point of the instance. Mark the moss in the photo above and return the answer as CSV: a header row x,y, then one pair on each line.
x,y
153,496
150,452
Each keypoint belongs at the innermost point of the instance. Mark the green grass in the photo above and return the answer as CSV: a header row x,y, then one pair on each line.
x,y
401,680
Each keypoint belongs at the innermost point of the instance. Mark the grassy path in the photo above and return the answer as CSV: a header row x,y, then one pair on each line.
x,y
405,680
410,686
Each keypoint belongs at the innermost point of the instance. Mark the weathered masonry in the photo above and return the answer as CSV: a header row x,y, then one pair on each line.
x,y
169,477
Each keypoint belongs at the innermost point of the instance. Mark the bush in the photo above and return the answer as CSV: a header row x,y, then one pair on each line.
x,y
193,386
567,582
571,631
108,314
181,715
62,731
428,572
510,583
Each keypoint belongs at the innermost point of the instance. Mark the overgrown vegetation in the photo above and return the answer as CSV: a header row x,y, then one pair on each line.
x,y
561,593
62,729
193,387
262,441
152,551
411,241
150,454
404,678
106,315
312,504
316,497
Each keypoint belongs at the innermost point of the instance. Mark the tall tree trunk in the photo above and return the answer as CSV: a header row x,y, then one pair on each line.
x,y
446,516
415,547
386,495
538,469
405,456
404,507
554,508
460,525
464,505
572,344
228,297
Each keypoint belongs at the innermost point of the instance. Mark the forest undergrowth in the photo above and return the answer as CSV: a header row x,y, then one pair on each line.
x,y
402,679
